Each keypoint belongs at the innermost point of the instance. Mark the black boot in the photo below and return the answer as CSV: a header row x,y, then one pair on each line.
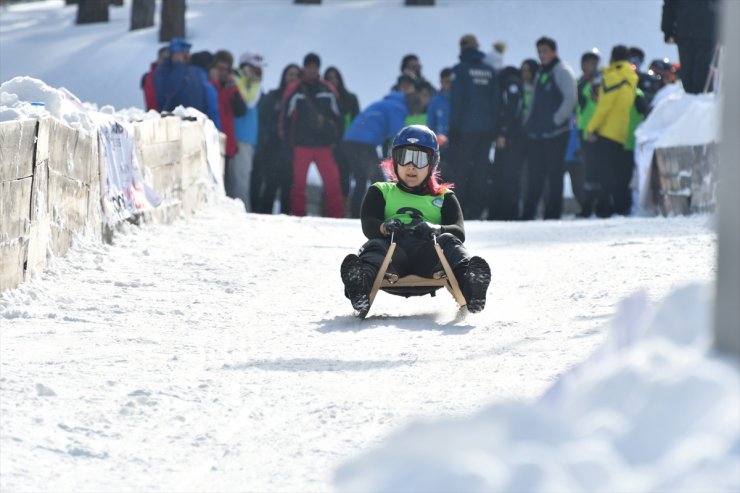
x,y
476,279
356,284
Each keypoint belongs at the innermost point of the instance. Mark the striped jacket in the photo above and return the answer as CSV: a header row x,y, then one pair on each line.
x,y
553,101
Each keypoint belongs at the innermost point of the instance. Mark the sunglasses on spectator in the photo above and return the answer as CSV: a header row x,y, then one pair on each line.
x,y
405,156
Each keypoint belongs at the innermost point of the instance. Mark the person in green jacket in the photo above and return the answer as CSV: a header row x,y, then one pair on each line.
x,y
588,84
425,90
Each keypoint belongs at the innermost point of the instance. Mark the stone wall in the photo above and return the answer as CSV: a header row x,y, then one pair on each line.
x,y
684,179
50,185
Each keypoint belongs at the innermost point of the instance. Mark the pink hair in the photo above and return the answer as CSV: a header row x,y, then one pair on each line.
x,y
431,185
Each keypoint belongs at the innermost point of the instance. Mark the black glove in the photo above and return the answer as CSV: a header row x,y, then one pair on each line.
x,y
426,230
392,226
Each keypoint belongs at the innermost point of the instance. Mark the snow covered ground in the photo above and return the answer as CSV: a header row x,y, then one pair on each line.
x,y
218,353
365,39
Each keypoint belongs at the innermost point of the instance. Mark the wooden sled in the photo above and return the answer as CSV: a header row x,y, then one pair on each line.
x,y
413,285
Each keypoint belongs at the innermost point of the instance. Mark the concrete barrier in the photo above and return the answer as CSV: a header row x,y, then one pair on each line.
x,y
50,184
684,179
17,147
174,156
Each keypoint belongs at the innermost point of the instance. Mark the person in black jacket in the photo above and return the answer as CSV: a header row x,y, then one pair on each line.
x,y
272,159
692,25
349,108
310,124
648,82
510,145
474,120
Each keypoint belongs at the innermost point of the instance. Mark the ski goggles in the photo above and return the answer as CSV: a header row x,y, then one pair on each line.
x,y
403,156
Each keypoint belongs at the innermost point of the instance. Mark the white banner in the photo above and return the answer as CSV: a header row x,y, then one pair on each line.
x,y
124,192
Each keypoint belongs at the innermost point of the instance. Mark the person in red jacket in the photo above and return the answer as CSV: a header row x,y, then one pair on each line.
x,y
310,124
147,81
230,104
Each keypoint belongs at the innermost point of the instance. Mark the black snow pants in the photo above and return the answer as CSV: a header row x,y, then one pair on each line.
x,y
545,170
415,256
471,170
362,164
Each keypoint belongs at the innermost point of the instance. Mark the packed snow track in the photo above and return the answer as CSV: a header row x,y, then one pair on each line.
x,y
219,353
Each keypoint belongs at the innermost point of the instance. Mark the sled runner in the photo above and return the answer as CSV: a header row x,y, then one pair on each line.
x,y
413,285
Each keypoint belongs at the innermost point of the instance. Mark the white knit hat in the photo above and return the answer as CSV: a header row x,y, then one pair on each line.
x,y
252,58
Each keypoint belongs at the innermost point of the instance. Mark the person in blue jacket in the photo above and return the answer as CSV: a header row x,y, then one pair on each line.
x,y
438,111
438,116
474,120
203,60
371,128
179,83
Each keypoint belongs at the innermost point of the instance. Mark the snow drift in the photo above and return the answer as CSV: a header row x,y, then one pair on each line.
x,y
654,410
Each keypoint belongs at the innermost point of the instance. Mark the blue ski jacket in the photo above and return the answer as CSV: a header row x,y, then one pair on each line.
x,y
438,113
475,96
380,121
180,84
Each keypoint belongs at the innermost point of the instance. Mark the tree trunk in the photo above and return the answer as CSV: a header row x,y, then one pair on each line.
x,y
142,14
89,11
173,20
117,3
70,2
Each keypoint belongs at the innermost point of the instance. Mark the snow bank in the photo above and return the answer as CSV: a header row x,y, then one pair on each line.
x,y
678,121
681,119
653,410
26,97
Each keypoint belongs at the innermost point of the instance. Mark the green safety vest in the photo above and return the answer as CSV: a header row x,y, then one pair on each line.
x,y
527,100
420,119
583,115
408,207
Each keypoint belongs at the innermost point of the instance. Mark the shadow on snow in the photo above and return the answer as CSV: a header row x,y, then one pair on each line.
x,y
426,322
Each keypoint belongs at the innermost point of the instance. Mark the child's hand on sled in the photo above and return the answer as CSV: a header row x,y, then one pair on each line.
x,y
394,226
426,230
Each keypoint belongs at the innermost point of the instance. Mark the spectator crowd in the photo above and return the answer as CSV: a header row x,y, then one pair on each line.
x,y
508,133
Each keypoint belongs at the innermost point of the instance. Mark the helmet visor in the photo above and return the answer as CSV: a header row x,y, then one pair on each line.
x,y
403,156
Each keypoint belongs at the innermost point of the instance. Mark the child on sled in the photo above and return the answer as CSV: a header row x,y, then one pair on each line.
x,y
414,208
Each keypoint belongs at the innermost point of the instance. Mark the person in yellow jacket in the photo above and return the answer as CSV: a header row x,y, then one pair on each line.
x,y
608,131
248,79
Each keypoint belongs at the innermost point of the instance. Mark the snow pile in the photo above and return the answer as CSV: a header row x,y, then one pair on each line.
x,y
681,119
677,120
653,410
26,97
131,114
